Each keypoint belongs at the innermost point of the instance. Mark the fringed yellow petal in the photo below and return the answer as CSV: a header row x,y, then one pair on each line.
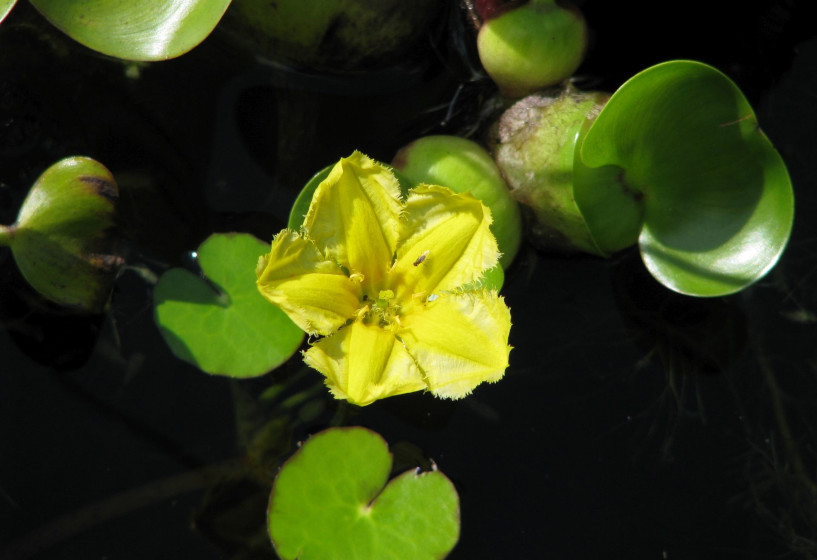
x,y
446,242
459,340
354,217
383,333
313,291
363,363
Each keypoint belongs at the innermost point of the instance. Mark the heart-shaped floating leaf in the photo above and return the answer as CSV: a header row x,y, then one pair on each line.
x,y
234,332
5,8
144,30
676,160
62,240
329,502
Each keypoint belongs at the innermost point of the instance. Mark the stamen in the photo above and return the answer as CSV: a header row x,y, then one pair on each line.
x,y
357,277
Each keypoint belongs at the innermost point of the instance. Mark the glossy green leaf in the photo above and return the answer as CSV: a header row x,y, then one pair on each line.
x,y
224,326
62,240
329,503
5,8
676,159
144,30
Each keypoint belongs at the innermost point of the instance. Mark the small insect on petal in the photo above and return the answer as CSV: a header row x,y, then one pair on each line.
x,y
421,258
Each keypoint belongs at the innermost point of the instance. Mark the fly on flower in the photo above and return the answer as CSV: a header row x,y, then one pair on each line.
x,y
388,326
421,258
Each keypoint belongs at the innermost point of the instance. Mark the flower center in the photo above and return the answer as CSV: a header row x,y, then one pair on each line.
x,y
383,311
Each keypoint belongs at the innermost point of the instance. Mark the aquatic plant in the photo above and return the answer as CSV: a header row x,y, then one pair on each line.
x,y
385,282
219,322
63,240
530,45
151,30
330,500
674,162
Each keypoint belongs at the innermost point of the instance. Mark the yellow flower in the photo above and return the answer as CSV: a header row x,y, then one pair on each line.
x,y
389,286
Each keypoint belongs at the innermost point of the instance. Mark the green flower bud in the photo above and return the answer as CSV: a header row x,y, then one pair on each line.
x,y
531,47
61,240
533,144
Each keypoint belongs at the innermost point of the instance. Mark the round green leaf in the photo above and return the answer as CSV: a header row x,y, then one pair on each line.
x,y
62,241
224,326
144,30
5,8
329,502
678,150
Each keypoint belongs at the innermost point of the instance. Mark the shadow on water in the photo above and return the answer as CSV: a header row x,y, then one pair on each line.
x,y
691,336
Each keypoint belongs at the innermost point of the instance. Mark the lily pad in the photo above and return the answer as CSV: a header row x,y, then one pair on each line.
x,y
331,501
145,30
676,161
223,325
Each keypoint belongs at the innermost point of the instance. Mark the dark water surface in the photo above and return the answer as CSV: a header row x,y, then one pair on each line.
x,y
633,423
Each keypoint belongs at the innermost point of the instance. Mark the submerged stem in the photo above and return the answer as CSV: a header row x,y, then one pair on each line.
x,y
116,506
789,443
